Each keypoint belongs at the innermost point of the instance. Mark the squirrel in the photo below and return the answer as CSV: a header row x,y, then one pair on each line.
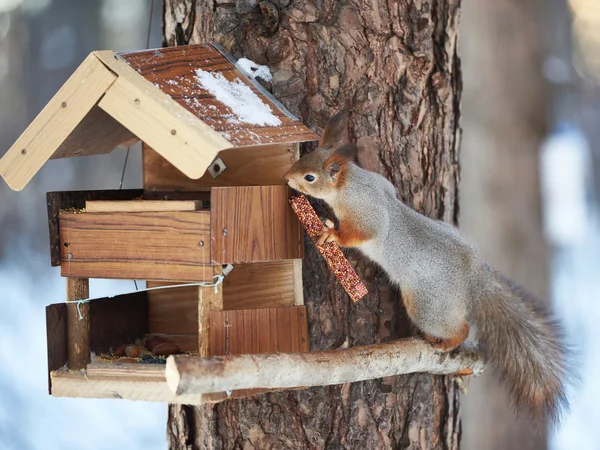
x,y
446,286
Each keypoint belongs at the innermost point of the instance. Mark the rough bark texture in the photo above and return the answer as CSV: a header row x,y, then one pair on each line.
x,y
505,103
396,63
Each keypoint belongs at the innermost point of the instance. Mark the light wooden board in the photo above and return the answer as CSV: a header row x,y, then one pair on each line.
x,y
153,116
254,331
247,166
263,285
253,224
148,246
143,383
210,300
55,122
96,134
174,71
142,205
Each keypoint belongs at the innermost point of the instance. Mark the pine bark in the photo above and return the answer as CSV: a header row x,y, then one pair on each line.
x,y
396,63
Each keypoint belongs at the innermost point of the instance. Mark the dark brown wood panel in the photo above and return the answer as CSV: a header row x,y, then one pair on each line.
x,y
118,320
257,166
56,338
252,224
173,70
57,201
170,245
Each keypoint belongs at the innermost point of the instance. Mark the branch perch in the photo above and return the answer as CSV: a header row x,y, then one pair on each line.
x,y
197,375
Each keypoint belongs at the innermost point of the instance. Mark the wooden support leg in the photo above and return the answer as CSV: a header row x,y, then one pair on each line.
x,y
78,329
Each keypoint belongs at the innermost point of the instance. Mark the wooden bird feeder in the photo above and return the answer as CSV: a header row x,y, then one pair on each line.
x,y
213,195
215,148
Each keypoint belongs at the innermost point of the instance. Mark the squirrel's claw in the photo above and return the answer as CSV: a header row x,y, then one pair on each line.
x,y
328,233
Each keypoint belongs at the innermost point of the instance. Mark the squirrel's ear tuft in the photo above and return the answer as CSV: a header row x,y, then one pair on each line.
x,y
336,131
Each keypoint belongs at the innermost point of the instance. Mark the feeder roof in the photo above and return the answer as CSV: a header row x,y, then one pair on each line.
x,y
188,103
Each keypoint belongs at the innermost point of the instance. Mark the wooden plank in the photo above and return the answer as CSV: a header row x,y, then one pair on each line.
x,y
209,299
174,310
253,224
96,134
170,129
142,205
118,320
246,166
119,386
255,331
56,201
266,330
55,122
170,245
56,338
78,324
261,285
173,70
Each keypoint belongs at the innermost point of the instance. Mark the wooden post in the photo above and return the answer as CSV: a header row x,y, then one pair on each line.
x,y
78,327
209,299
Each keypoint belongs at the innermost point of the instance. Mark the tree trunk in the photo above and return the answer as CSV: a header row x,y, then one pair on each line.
x,y
397,64
505,103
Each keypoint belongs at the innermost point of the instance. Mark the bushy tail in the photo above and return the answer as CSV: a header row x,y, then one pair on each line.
x,y
525,347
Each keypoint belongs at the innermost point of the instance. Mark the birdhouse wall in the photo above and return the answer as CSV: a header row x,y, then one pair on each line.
x,y
262,165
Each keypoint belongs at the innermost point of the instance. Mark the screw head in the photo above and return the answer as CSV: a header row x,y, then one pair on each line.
x,y
63,104
201,244
173,132
137,101
24,151
224,231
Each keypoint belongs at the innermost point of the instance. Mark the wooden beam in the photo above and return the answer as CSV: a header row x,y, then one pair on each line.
x,y
188,375
131,382
57,201
78,324
253,224
142,205
264,165
169,245
169,128
55,122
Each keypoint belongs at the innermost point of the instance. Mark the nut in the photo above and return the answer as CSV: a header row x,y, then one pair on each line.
x,y
166,348
153,341
120,350
133,351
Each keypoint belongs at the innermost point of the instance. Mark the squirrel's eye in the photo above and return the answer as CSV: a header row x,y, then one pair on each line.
x,y
310,178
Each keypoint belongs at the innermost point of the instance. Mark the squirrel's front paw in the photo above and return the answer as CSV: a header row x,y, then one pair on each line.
x,y
328,233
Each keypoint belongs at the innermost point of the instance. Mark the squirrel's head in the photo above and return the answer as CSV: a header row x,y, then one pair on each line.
x,y
323,172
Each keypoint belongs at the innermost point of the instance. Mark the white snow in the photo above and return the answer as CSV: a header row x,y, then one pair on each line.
x,y
245,104
254,70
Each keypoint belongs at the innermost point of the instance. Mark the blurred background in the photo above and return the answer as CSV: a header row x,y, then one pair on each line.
x,y
530,164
